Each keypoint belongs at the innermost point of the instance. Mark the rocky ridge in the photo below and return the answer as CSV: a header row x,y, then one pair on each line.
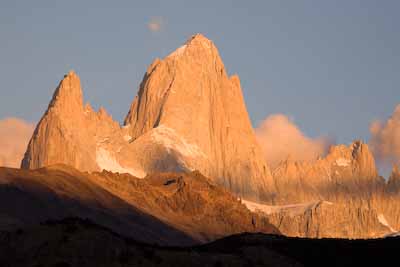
x,y
165,208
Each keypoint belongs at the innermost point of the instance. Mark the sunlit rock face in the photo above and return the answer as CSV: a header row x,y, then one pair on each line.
x,y
188,115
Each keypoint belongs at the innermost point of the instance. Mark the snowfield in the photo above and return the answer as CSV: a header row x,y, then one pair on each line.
x,y
382,220
342,162
291,209
168,137
107,162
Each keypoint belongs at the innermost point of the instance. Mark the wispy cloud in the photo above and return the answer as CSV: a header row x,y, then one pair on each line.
x,y
280,138
156,24
385,139
14,137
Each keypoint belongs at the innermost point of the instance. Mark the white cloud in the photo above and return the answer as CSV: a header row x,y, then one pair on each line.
x,y
280,138
156,24
385,139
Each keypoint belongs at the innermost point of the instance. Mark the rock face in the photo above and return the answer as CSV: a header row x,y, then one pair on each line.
x,y
188,115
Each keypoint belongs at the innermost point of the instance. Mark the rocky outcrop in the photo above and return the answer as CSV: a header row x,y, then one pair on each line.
x,y
188,115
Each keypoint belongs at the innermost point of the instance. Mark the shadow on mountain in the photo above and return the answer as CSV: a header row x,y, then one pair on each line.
x,y
77,242
29,197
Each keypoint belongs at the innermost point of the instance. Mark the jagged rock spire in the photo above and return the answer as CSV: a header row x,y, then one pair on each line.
x,y
68,95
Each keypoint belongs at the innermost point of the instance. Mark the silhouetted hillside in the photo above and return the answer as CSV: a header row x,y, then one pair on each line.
x,y
76,242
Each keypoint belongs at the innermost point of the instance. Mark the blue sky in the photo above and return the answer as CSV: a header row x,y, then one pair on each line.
x,y
331,66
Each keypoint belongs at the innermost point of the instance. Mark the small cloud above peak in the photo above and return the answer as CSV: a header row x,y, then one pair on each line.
x,y
156,24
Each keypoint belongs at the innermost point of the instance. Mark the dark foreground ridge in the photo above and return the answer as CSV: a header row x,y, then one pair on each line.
x,y
79,242
163,208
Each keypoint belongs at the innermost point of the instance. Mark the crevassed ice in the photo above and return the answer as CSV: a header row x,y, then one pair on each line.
x,y
382,220
167,137
107,162
342,162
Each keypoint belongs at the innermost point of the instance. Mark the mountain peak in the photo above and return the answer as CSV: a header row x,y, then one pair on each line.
x,y
68,95
198,38
187,98
198,46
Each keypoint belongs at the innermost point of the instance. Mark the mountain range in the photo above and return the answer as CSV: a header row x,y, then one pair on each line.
x,y
187,156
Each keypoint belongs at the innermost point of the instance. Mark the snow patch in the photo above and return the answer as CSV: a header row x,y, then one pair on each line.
x,y
382,220
291,209
167,137
342,162
178,51
396,234
107,162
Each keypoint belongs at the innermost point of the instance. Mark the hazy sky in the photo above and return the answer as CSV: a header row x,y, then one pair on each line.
x,y
331,66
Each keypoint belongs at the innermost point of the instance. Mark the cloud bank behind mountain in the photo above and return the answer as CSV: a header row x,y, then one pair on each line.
x,y
385,139
14,137
280,138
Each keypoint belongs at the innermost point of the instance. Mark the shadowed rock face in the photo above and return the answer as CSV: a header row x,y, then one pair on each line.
x,y
165,208
188,115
